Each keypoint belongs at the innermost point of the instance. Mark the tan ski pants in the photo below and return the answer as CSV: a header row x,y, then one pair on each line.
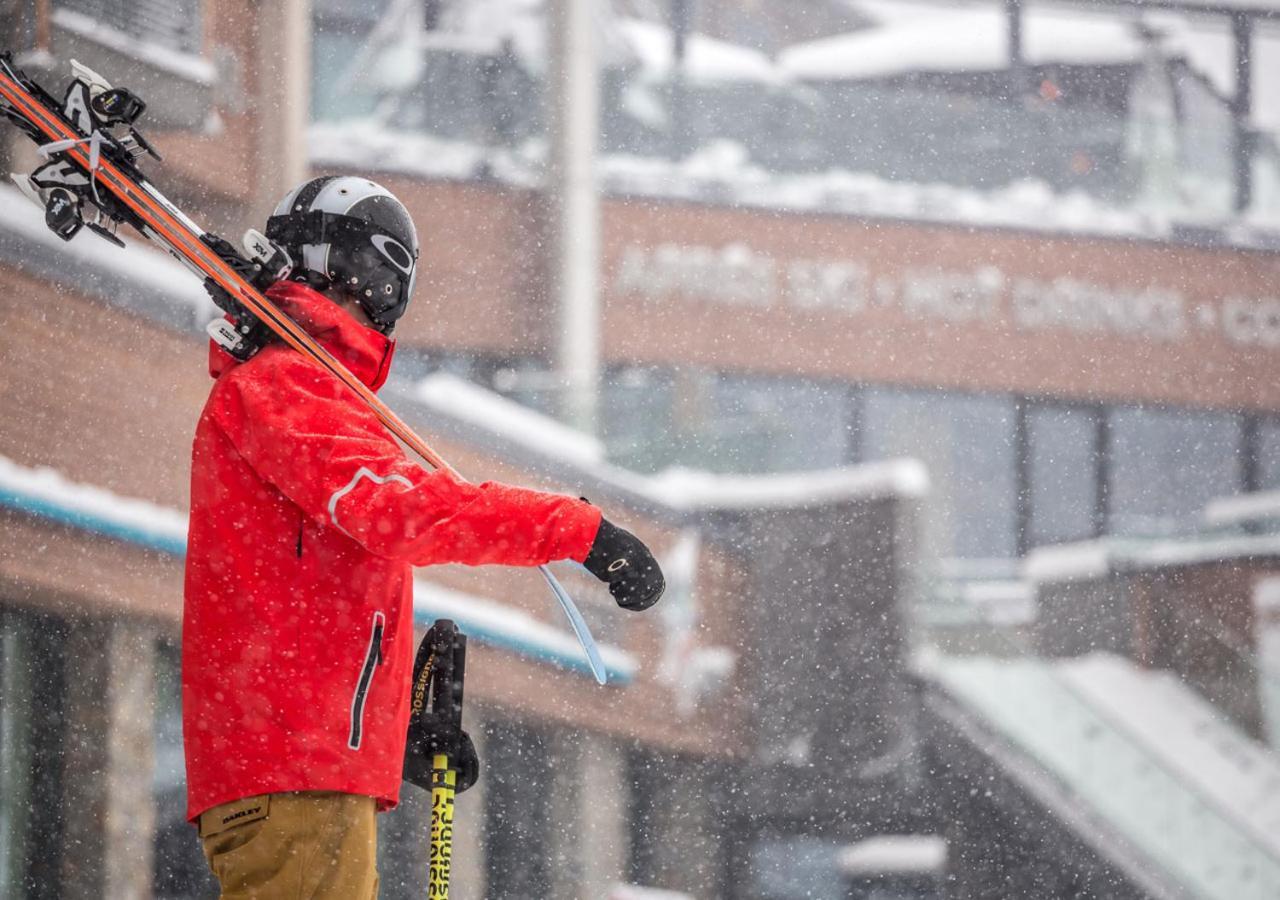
x,y
308,845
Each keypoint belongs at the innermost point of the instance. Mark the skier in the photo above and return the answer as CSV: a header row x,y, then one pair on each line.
x,y
306,521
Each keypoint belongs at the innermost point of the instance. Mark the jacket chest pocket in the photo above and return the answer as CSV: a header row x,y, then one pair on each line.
x,y
372,659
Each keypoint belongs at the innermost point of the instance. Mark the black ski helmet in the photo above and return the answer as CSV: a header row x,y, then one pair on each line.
x,y
349,232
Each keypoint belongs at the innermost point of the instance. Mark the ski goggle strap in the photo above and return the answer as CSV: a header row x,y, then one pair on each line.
x,y
317,227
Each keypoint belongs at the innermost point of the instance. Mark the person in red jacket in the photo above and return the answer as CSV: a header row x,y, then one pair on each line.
x,y
306,521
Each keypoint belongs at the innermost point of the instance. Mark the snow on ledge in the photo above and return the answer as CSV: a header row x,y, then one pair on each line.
x,y
468,402
635,892
1082,561
1096,559
923,37
1201,550
1266,596
490,622
707,60
894,854
690,489
1242,508
48,494
175,62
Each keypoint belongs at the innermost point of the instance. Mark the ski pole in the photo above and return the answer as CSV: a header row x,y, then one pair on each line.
x,y
137,201
435,729
443,782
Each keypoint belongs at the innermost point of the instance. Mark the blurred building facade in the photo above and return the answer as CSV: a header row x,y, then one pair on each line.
x,y
1029,277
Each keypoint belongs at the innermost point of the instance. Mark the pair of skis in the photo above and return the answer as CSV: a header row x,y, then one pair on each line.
x,y
93,150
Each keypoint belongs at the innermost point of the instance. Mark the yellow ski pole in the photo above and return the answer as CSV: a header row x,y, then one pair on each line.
x,y
439,755
443,782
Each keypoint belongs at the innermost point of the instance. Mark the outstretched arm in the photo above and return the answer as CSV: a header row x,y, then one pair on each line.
x,y
304,433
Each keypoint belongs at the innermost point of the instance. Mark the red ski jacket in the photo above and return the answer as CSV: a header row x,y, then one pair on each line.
x,y
306,521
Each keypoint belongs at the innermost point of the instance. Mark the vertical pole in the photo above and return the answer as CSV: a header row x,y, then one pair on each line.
x,y
680,15
1102,496
1241,111
443,782
283,97
1017,59
574,202
1022,479
1251,461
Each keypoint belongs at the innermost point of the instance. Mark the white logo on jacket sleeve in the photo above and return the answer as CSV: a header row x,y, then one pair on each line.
x,y
361,473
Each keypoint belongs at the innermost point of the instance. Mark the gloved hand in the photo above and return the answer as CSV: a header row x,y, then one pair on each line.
x,y
250,334
621,560
243,267
427,737
435,715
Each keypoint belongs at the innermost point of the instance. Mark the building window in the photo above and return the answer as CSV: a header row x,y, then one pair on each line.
x,y
636,418
1165,465
967,443
32,701
180,871
1062,468
517,830
777,425
1268,459
167,23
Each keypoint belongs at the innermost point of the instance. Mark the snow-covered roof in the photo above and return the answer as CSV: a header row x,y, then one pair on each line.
x,y
924,37
521,22
1154,769
47,494
1207,45
911,36
1263,7
706,59
1188,736
894,854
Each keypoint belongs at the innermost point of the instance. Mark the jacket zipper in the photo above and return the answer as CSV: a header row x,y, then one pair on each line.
x,y
372,659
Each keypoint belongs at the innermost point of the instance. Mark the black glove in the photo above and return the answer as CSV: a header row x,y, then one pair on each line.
x,y
621,560
435,717
228,253
251,334
425,741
